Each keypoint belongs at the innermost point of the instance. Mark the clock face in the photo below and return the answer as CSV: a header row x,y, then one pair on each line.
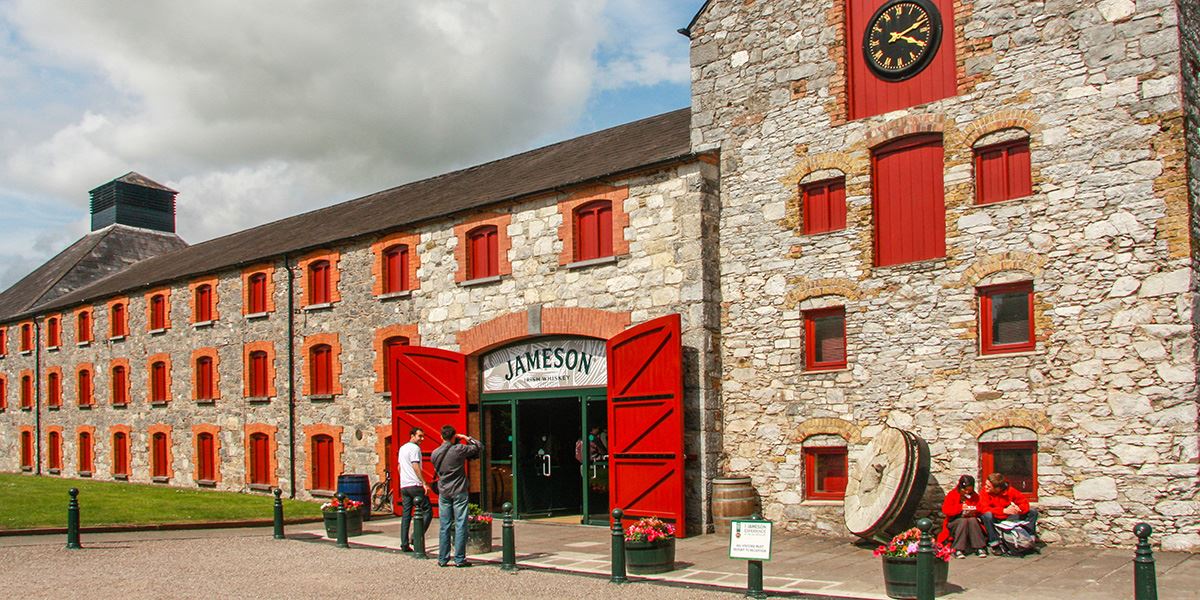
x,y
901,38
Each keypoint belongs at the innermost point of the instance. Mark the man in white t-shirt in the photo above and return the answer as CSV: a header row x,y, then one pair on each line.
x,y
414,492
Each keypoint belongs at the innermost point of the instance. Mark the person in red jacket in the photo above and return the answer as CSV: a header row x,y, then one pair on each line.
x,y
961,525
999,502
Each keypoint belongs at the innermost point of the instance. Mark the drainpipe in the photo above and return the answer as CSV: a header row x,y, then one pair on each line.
x,y
291,370
37,396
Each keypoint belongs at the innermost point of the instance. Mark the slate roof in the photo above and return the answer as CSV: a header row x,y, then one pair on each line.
x,y
93,257
649,142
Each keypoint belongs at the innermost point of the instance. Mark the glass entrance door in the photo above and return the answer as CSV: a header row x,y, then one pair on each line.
x,y
498,455
593,454
548,478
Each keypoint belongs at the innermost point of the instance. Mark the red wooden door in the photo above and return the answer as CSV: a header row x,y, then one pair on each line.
x,y
910,212
429,390
645,421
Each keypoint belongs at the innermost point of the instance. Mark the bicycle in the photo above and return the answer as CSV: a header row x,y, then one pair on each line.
x,y
381,494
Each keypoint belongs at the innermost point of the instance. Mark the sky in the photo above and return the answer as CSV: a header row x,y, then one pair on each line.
x,y
259,110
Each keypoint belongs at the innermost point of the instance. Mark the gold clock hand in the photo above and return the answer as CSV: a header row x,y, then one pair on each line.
x,y
911,40
896,36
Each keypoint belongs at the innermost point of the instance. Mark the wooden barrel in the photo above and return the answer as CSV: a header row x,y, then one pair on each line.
x,y
732,498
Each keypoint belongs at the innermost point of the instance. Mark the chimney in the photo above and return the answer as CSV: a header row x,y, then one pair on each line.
x,y
136,201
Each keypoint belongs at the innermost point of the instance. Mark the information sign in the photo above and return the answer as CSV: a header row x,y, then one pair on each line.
x,y
750,539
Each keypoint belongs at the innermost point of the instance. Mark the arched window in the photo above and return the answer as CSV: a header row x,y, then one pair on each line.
x,y
390,345
1013,452
483,257
257,375
26,450
395,269
159,467
593,230
825,467
206,458
53,333
54,389
85,388
260,459
322,462
256,296
118,324
120,454
85,454
321,370
318,282
205,387
158,312
120,385
203,300
83,327
55,451
26,392
158,382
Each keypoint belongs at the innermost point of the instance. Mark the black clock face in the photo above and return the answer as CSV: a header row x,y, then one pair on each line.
x,y
901,38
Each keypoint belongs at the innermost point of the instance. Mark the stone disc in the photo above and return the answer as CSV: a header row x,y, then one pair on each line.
x,y
879,485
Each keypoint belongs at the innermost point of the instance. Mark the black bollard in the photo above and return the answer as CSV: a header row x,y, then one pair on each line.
x,y
418,534
73,520
1145,584
925,560
341,521
508,560
278,514
618,548
754,574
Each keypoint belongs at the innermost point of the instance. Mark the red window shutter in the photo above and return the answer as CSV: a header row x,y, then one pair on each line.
x,y
26,337
83,327
257,294
85,388
910,214
205,460
204,378
258,374
3,341
259,459
203,304
120,454
1002,172
117,318
53,334
322,370
53,390
120,384
55,443
3,394
26,449
322,462
26,392
159,466
85,452
158,382
593,230
1020,176
483,256
824,204
395,269
318,284
158,312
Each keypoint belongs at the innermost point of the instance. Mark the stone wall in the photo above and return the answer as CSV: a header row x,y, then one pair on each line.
x,y
1110,390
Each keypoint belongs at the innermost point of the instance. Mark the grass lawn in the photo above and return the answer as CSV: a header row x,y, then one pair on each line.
x,y
28,501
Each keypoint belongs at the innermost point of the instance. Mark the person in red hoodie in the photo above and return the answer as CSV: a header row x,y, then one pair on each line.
x,y
961,525
1000,501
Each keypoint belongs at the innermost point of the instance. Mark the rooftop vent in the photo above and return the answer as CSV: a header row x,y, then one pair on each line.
x,y
136,201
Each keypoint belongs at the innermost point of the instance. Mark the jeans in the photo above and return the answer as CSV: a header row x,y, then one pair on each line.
x,y
452,512
413,497
989,523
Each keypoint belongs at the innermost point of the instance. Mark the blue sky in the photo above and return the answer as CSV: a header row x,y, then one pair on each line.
x,y
255,111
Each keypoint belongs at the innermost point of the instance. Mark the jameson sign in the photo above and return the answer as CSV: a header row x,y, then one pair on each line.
x,y
568,363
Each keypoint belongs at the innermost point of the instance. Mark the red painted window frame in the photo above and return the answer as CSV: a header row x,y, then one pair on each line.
x,y
158,455
158,382
26,391
83,327
824,205
53,332
812,455
388,345
158,312
395,269
256,296
204,378
86,394
54,450
318,282
483,252
322,462
593,230
985,293
118,321
987,462
120,454
260,459
884,238
120,385
1009,177
206,465
810,339
87,455
204,308
54,389
26,337
321,370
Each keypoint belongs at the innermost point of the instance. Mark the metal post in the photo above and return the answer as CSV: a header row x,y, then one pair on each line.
x,y
508,560
618,548
754,579
278,514
1145,585
925,560
341,521
73,520
418,534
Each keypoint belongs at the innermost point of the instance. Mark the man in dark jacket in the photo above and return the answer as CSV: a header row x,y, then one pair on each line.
x,y
449,460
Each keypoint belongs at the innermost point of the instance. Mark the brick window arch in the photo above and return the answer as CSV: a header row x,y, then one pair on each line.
x,y
83,326
54,452
118,321
86,453
84,390
119,383
203,299
318,282
320,370
158,312
54,388
120,454
483,255
593,230
322,462
53,332
395,269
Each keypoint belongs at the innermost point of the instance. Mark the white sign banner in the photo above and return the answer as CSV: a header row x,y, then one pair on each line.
x,y
565,363
750,540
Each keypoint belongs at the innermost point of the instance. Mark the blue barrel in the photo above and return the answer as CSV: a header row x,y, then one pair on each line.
x,y
358,488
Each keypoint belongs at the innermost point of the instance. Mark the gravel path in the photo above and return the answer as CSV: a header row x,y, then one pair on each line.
x,y
259,567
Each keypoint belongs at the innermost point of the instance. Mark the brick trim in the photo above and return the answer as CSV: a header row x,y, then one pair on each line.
x,y
838,105
620,219
381,335
802,289
1033,420
903,127
108,310
215,431
1005,261
412,241
273,446
210,281
120,362
216,371
88,335
166,294
851,432
335,362
61,386
333,256
1013,118
91,431
267,269
514,326
382,432
269,348
112,435
312,431
91,399
150,431
165,358
503,242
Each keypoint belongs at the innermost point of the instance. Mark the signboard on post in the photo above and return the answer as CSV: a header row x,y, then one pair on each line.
x,y
750,539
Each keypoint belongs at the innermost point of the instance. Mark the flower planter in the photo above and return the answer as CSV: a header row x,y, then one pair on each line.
x,y
354,521
479,538
900,576
646,558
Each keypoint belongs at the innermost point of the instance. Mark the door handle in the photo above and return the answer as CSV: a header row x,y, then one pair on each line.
x,y
546,465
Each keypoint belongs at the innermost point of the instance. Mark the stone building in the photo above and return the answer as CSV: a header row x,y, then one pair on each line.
x,y
971,220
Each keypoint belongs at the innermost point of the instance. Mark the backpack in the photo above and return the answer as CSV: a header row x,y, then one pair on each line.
x,y
1015,537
